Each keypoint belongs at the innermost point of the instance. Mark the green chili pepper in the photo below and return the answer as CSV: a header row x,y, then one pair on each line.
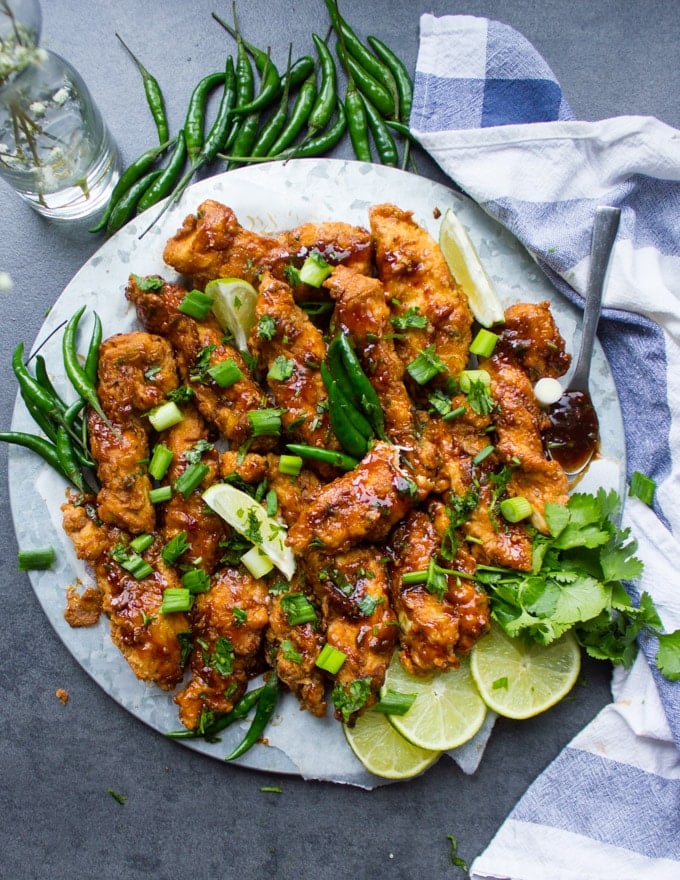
x,y
401,76
126,206
368,398
272,129
29,386
75,372
357,123
46,450
154,96
132,173
43,378
382,138
67,459
346,421
361,54
299,115
327,456
40,418
367,84
164,183
194,121
266,705
241,708
326,98
92,356
302,68
323,142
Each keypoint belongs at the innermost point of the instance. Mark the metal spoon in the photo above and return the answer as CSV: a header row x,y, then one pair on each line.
x,y
574,433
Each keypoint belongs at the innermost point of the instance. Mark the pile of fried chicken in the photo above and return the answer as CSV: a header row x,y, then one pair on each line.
x,y
422,493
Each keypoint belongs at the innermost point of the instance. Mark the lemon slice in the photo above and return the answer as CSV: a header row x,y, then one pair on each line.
x,y
234,307
518,679
464,263
447,710
251,520
383,751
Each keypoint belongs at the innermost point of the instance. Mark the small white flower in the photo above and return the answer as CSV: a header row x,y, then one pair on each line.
x,y
5,281
61,97
38,108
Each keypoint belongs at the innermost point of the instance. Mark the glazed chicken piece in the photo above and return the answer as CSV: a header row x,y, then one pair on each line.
x,y
360,506
149,640
362,314
434,630
353,590
417,279
188,513
136,371
530,346
199,346
293,649
290,354
228,624
212,244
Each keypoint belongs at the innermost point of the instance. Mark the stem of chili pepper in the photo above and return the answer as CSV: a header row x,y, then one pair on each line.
x,y
299,115
132,173
327,456
166,180
154,95
266,705
382,138
302,68
368,398
271,79
75,372
241,708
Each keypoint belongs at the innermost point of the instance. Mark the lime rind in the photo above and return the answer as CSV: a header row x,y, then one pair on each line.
x,y
447,712
520,680
467,269
383,751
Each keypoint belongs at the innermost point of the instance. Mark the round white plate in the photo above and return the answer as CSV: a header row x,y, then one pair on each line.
x,y
266,198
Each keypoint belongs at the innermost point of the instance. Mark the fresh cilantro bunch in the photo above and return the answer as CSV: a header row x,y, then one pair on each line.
x,y
576,581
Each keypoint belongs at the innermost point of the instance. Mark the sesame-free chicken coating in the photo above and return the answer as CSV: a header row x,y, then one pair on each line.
x,y
418,282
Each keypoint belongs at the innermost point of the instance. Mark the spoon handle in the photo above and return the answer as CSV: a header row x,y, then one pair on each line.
x,y
605,228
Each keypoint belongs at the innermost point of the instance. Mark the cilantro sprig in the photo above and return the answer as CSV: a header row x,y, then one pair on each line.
x,y
577,581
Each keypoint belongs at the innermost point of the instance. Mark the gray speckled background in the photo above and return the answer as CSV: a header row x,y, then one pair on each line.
x,y
187,815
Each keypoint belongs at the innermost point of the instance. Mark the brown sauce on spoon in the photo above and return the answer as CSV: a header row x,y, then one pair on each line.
x,y
573,436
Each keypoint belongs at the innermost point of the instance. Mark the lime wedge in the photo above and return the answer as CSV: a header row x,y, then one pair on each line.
x,y
234,307
518,679
383,751
447,710
466,267
251,520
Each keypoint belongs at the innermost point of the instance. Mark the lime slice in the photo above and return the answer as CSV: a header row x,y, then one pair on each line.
x,y
447,710
383,751
251,520
518,679
461,257
234,307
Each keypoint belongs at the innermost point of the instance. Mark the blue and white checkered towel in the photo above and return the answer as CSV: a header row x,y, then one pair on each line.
x,y
489,110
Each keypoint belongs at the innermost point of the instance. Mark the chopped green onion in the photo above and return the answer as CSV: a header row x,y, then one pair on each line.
x,y
141,542
196,304
139,568
454,414
257,562
298,609
394,703
643,487
289,653
330,659
281,369
191,478
483,453
290,465
271,502
196,580
175,548
425,366
36,560
484,343
176,599
314,270
162,493
515,509
225,373
469,377
265,422
165,416
161,459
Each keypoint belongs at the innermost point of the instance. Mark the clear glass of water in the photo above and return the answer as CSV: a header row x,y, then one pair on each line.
x,y
55,150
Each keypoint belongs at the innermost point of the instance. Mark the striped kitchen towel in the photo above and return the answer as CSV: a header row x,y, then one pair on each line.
x,y
489,110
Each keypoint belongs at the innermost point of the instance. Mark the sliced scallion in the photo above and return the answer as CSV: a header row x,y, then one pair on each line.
x,y
314,270
165,416
484,343
162,493
483,453
515,509
191,478
196,580
265,422
425,366
225,373
196,304
330,659
38,559
394,703
298,609
141,542
176,599
643,487
161,459
257,562
290,465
